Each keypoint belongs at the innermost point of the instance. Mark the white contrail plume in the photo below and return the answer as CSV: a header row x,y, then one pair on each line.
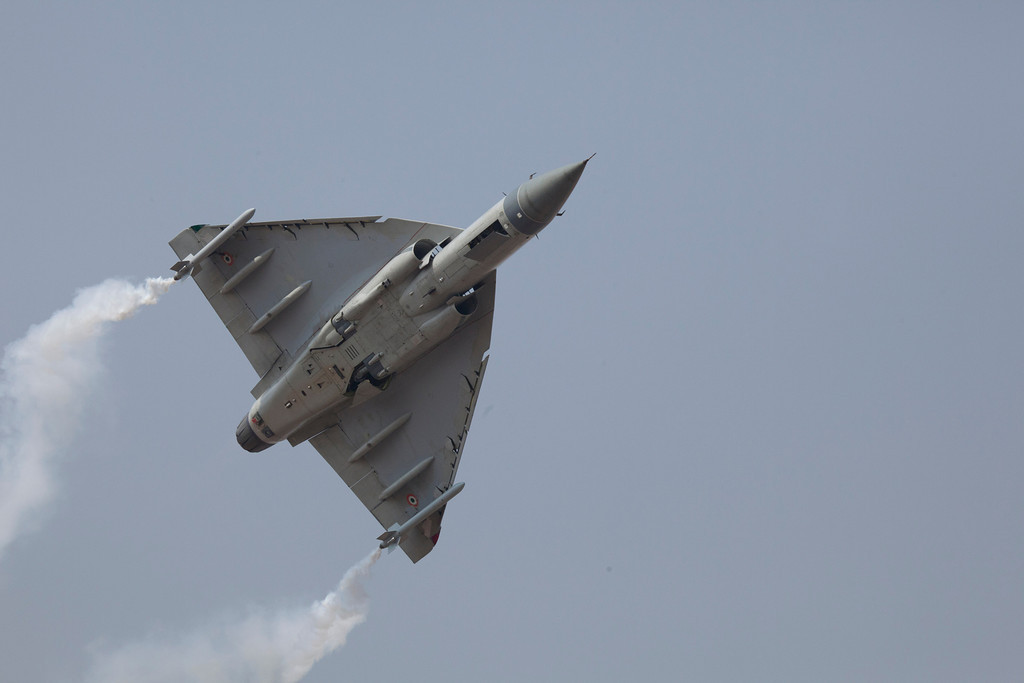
x,y
44,381
280,647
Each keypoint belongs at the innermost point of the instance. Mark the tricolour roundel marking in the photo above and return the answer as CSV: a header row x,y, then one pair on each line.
x,y
228,258
412,500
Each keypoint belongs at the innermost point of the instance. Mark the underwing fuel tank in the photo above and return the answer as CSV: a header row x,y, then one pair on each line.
x,y
398,269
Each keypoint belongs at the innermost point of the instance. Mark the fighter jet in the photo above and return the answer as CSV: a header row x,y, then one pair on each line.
x,y
370,339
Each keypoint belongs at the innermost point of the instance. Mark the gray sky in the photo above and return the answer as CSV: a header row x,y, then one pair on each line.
x,y
754,405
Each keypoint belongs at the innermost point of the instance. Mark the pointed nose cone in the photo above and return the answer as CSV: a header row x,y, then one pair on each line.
x,y
540,198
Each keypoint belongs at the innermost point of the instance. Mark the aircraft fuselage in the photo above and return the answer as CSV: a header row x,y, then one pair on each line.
x,y
411,305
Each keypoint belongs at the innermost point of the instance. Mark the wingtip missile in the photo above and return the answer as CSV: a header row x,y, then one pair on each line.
x,y
393,536
191,264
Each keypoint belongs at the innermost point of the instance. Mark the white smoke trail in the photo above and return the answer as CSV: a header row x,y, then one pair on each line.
x,y
44,381
280,647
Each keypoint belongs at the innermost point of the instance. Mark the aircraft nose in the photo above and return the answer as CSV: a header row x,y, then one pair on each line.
x,y
247,438
537,201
